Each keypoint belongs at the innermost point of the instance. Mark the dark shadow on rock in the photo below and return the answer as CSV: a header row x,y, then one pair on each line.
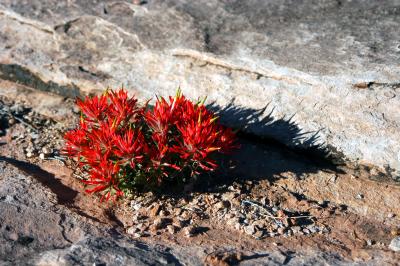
x,y
269,148
261,126
65,195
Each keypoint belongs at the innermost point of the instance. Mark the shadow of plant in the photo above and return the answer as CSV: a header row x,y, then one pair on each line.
x,y
258,125
270,148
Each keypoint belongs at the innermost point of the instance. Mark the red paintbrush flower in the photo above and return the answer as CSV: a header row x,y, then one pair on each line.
x,y
105,179
93,108
118,142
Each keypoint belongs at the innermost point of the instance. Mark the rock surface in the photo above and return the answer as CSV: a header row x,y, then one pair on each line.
x,y
34,229
332,65
47,219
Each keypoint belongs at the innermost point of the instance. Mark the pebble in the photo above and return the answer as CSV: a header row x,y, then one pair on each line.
x,y
391,215
179,223
163,213
154,210
171,229
395,231
222,205
233,221
11,121
42,156
369,242
359,196
229,196
160,223
132,230
34,135
13,236
136,206
237,226
250,229
29,154
281,230
296,229
47,151
189,231
313,229
395,244
258,234
177,211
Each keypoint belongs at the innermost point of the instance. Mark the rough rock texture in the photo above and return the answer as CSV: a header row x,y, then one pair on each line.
x,y
332,65
34,229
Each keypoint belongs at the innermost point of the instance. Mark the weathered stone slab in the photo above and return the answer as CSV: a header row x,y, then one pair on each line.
x,y
332,65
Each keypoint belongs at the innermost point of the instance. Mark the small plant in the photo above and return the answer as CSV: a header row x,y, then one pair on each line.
x,y
122,145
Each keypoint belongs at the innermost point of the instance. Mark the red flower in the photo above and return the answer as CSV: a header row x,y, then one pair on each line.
x,y
119,143
105,178
94,108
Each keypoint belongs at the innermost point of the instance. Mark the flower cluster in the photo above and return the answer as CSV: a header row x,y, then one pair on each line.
x,y
123,145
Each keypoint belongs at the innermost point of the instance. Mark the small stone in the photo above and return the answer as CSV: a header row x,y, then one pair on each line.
x,y
359,196
237,226
179,223
280,213
136,206
42,156
11,121
137,235
222,205
391,215
154,210
250,229
296,229
171,229
264,201
34,135
395,231
258,234
160,223
141,226
177,211
47,151
229,196
138,2
369,242
132,230
281,231
233,221
189,231
163,213
305,231
13,236
313,229
395,244
29,154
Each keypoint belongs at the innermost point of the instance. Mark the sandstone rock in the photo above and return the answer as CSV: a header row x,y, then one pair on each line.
x,y
54,234
330,72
